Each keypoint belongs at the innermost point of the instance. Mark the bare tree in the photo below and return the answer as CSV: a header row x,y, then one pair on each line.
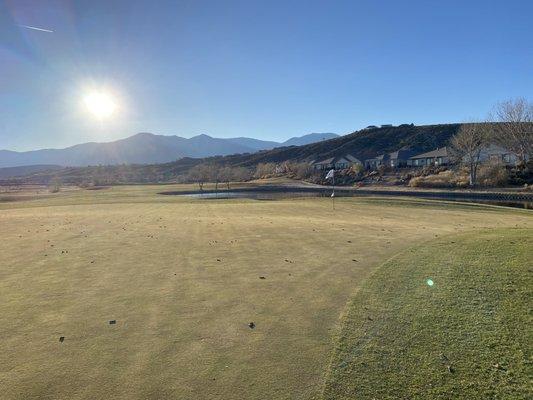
x,y
303,170
226,175
514,129
467,146
55,185
199,174
241,174
265,170
214,174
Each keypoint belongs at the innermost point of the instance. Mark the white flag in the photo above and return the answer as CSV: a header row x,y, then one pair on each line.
x,y
330,174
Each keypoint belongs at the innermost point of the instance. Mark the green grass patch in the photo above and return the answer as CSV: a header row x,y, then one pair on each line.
x,y
467,336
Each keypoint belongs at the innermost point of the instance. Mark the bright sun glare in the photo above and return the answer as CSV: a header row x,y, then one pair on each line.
x,y
101,104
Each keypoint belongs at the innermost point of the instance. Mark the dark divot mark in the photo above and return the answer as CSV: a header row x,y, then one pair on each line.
x,y
499,367
61,339
218,259
262,277
251,325
113,322
349,241
354,260
451,369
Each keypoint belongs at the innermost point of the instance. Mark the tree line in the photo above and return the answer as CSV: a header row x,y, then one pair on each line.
x,y
225,174
509,125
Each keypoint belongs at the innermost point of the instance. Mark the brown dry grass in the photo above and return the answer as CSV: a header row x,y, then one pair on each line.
x,y
182,279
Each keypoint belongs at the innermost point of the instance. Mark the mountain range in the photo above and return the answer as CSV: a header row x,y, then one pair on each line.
x,y
362,144
148,148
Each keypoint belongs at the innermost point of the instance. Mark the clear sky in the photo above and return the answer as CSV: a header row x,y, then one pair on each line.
x,y
263,69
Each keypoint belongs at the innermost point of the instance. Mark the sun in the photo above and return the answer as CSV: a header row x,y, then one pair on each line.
x,y
100,103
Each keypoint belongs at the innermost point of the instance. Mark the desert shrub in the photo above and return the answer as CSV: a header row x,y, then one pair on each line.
x,y
444,179
54,186
492,174
521,174
357,169
302,170
241,174
382,169
265,170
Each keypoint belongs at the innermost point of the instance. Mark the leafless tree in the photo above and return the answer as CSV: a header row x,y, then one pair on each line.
x,y
55,185
302,170
226,175
241,174
265,170
514,127
214,174
199,174
467,146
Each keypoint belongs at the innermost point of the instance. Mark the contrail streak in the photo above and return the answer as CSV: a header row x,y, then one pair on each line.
x,y
37,29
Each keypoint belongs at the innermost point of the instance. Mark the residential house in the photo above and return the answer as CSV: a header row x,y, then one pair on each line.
x,y
396,159
498,154
440,156
323,164
346,161
374,163
399,158
339,162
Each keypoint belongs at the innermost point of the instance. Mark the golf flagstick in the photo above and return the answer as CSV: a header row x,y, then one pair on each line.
x,y
331,174
333,193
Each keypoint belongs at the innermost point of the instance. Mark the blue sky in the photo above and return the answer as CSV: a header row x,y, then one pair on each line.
x,y
263,69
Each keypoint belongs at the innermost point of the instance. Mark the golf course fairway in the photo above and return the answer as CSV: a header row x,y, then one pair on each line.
x,y
154,296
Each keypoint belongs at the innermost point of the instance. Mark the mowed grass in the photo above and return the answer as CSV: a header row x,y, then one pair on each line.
x,y
466,336
182,279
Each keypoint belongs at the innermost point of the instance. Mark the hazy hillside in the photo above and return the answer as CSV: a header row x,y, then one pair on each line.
x,y
362,144
310,138
143,148
10,172
254,144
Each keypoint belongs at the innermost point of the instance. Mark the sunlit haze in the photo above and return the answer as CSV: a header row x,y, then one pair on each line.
x,y
100,104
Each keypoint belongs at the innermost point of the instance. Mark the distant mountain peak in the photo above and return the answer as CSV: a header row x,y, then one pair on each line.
x,y
142,135
310,138
146,148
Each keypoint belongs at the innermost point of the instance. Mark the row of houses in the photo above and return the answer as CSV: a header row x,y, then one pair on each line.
x,y
408,158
